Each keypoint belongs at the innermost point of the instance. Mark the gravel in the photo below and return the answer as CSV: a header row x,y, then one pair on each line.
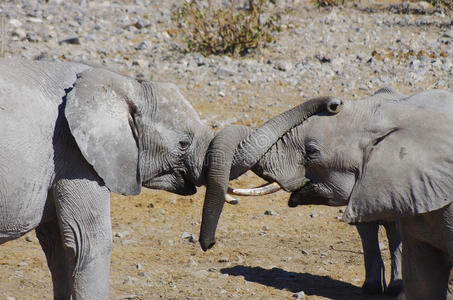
x,y
349,52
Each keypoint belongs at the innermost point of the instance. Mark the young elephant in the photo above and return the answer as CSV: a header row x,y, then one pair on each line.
x,y
386,159
70,134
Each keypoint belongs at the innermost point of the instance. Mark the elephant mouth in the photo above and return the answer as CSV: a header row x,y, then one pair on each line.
x,y
174,182
307,194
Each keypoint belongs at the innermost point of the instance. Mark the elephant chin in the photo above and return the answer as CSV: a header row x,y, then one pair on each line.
x,y
173,183
305,196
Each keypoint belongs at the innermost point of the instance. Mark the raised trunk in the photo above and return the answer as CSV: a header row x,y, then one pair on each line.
x,y
222,156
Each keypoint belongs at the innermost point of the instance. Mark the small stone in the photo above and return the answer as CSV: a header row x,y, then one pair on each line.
x,y
341,210
143,46
139,266
224,71
129,280
29,238
33,38
284,66
222,94
299,295
119,235
313,214
72,40
22,264
10,298
15,23
270,212
304,252
189,236
19,33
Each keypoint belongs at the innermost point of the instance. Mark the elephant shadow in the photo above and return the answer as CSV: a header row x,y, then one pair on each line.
x,y
323,286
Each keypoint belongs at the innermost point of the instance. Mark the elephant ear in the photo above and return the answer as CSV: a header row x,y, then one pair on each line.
x,y
407,170
103,121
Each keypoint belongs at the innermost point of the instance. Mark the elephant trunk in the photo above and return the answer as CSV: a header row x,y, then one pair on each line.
x,y
219,159
250,149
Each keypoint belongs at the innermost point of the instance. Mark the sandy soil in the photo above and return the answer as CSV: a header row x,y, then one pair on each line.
x,y
258,255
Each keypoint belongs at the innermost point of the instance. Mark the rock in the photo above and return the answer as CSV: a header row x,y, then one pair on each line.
x,y
313,214
284,66
15,23
33,37
299,295
42,56
30,238
189,236
143,46
72,40
129,280
224,71
19,33
270,212
139,266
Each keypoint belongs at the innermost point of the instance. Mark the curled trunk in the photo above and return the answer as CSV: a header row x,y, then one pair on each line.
x,y
235,150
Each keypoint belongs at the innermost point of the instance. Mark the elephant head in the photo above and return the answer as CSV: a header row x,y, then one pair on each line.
x,y
137,133
382,158
250,148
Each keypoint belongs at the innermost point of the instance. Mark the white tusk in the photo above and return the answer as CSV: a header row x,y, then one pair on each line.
x,y
258,191
230,200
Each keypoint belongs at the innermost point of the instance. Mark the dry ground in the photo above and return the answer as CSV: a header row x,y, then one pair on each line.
x,y
257,255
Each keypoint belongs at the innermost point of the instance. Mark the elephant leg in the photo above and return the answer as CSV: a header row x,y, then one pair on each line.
x,y
83,209
49,237
393,231
374,266
425,270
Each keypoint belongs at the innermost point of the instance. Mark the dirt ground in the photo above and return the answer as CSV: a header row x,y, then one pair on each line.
x,y
264,250
257,255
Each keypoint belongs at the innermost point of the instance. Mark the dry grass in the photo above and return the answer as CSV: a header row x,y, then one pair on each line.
x,y
442,4
232,29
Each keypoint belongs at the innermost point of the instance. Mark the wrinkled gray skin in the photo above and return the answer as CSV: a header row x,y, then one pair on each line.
x,y
385,160
70,134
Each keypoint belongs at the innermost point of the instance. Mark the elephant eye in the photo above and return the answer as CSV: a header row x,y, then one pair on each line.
x,y
312,151
185,143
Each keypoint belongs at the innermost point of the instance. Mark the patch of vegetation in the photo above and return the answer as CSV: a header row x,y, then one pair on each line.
x,y
443,4
229,29
325,3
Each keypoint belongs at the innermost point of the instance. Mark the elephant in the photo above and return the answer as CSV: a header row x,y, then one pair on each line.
x,y
72,133
386,160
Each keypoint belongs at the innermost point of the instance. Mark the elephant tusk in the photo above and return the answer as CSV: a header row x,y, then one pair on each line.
x,y
230,200
268,188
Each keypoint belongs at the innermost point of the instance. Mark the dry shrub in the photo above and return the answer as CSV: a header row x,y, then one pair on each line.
x,y
325,3
443,4
210,29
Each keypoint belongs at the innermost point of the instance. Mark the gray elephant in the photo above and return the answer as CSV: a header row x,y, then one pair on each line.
x,y
69,135
384,159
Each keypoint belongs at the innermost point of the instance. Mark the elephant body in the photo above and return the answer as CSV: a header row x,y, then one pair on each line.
x,y
387,158
71,133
